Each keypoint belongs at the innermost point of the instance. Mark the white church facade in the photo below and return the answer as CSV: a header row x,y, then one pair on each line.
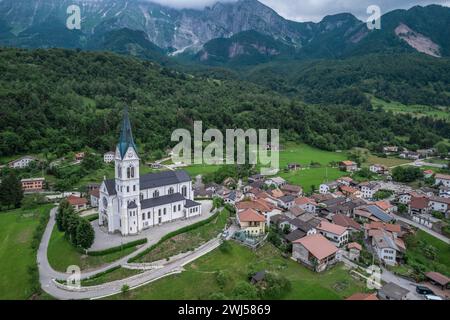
x,y
130,203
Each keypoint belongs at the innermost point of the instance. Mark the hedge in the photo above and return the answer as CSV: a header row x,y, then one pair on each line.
x,y
118,248
91,217
173,234
97,275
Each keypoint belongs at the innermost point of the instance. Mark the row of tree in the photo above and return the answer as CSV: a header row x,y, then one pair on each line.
x,y
11,193
77,229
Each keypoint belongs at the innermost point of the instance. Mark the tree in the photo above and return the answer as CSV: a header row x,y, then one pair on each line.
x,y
442,148
91,162
85,234
11,193
225,247
71,224
125,288
406,174
244,291
60,214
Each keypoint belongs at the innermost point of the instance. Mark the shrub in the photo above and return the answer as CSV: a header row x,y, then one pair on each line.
x,y
118,248
225,247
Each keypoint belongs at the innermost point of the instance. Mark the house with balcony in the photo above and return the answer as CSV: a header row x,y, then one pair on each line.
x,y
315,252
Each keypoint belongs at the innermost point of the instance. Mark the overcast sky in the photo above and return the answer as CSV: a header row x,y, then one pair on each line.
x,y
314,10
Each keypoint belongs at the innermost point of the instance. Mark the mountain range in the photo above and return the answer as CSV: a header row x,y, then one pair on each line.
x,y
233,33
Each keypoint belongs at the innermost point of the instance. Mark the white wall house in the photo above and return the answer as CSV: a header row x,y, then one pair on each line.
x,y
369,189
439,204
108,157
443,179
21,162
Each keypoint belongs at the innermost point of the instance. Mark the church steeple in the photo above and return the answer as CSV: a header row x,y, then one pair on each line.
x,y
126,136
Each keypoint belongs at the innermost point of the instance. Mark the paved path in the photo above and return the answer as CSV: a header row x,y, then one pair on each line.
x,y
47,274
423,228
388,276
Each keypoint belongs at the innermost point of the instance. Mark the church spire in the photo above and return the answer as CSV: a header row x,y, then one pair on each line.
x,y
126,136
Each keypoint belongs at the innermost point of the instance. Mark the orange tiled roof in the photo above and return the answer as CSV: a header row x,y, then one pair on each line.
x,y
74,200
317,245
251,215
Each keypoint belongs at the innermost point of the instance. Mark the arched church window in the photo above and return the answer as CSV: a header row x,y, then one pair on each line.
x,y
128,172
132,172
119,171
171,191
156,194
142,196
184,191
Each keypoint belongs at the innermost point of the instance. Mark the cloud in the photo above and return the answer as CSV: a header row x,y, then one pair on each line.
x,y
190,4
315,10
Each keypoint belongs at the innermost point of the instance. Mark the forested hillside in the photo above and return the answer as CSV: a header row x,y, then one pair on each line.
x,y
407,78
61,100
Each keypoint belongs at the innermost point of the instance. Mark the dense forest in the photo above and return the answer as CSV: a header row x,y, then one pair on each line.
x,y
64,100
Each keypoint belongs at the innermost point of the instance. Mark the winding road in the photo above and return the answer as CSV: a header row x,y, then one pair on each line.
x,y
47,275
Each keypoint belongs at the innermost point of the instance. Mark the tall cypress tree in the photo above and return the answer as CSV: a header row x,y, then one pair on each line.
x,y
11,193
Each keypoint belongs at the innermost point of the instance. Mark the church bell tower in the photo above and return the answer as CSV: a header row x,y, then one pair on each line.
x,y
127,180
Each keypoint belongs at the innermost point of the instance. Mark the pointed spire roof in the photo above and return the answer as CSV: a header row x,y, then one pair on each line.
x,y
126,136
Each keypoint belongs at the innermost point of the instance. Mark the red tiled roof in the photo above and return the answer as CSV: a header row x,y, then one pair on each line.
x,y
383,205
331,227
383,226
442,176
438,278
354,245
251,215
363,296
348,190
317,245
95,192
304,200
74,200
419,202
345,221
348,163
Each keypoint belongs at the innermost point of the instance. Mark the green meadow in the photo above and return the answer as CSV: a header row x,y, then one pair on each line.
x,y
334,284
16,232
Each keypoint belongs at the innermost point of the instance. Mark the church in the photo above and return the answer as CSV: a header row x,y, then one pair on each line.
x,y
130,203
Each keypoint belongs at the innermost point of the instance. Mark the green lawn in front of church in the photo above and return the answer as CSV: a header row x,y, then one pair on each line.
x,y
61,254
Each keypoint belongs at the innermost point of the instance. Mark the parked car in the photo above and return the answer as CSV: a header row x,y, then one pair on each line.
x,y
432,297
424,290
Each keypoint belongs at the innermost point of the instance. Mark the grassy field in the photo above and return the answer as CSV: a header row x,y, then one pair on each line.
x,y
388,162
334,284
117,274
62,254
414,110
314,176
188,240
16,255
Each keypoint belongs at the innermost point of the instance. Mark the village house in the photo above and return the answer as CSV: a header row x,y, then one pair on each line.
x,y
440,204
424,153
442,179
77,203
293,236
386,206
108,157
410,155
94,196
418,205
286,202
295,212
346,181
390,149
374,227
79,156
328,187
292,190
368,189
444,192
387,247
256,178
261,206
372,212
294,166
428,174
379,168
315,252
348,166
277,181
354,251
308,226
21,162
333,232
350,191
251,222
306,204
344,221
32,184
